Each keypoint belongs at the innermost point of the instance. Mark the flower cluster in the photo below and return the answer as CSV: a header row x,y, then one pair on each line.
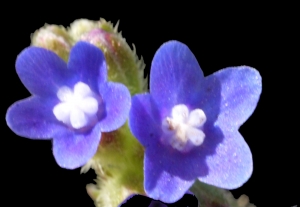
x,y
187,123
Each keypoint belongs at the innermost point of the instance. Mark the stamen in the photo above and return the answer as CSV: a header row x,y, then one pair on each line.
x,y
62,112
76,108
180,112
197,118
77,118
89,105
64,93
195,135
82,90
184,128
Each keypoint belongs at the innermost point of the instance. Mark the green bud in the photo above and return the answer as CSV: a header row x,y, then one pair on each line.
x,y
55,38
80,27
123,64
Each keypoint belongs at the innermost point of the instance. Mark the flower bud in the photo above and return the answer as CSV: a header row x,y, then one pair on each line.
x,y
80,27
122,62
55,38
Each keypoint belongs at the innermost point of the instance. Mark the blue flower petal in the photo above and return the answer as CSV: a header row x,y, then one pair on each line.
x,y
175,75
240,91
33,118
88,63
117,102
167,176
231,165
74,149
145,121
42,71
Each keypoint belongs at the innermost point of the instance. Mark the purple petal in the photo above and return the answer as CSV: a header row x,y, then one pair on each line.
x,y
231,164
144,120
168,175
240,92
72,150
117,102
175,75
88,63
33,118
228,98
42,71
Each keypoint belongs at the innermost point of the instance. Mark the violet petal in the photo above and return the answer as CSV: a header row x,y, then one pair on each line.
x,y
117,102
231,165
33,118
167,176
42,72
88,63
73,149
145,121
175,75
240,91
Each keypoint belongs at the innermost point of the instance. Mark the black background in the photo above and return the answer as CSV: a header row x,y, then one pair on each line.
x,y
261,37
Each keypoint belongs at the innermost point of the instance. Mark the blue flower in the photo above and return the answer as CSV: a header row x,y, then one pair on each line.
x,y
189,124
70,103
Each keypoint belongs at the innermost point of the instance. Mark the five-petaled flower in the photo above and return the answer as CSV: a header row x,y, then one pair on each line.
x,y
189,124
70,103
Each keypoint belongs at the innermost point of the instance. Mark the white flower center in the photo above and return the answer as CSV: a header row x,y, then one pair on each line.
x,y
78,107
183,128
